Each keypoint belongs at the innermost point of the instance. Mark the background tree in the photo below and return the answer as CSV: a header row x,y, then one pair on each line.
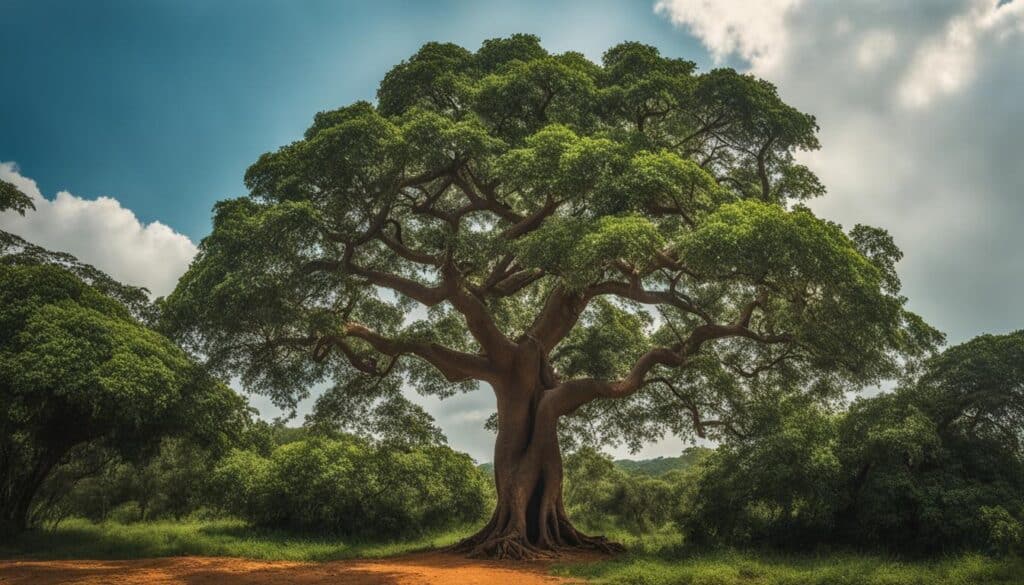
x,y
78,368
933,466
606,245
778,485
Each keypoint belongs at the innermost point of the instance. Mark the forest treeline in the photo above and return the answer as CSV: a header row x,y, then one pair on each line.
x,y
934,465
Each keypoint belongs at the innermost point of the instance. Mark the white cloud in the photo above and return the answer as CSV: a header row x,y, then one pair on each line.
x,y
103,233
942,60
947,62
748,28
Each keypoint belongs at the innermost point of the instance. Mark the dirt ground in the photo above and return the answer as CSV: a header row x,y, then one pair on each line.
x,y
415,569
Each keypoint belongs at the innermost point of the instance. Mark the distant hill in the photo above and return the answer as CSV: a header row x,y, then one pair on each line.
x,y
658,465
654,467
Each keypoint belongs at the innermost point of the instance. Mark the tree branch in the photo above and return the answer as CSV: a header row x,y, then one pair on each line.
x,y
561,311
478,319
456,366
398,246
570,395
634,291
531,222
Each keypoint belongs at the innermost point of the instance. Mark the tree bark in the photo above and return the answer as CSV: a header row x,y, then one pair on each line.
x,y
529,520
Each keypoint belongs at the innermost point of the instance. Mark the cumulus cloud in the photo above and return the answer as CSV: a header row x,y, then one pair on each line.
x,y
101,232
749,28
919,108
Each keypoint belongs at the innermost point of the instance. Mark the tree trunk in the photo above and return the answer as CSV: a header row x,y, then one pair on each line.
x,y
20,489
529,520
14,509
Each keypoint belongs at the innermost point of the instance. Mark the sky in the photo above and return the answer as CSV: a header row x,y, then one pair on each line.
x,y
127,120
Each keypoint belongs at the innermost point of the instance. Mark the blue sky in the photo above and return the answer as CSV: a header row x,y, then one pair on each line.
x,y
165,103
127,120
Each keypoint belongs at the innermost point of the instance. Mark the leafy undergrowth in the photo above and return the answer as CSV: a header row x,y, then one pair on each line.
x,y
81,539
761,569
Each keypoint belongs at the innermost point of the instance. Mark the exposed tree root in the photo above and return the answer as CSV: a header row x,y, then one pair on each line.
x,y
602,544
514,546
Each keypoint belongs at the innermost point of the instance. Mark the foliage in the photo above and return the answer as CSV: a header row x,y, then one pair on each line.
x,y
934,466
351,487
373,408
599,493
169,484
780,487
12,199
928,461
77,368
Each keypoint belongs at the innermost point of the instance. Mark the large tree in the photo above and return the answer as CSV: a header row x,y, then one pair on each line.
x,y
612,246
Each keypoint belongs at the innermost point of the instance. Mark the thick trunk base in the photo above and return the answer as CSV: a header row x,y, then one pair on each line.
x,y
529,521
533,528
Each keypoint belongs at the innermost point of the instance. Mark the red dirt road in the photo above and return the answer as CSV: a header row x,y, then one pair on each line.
x,y
416,569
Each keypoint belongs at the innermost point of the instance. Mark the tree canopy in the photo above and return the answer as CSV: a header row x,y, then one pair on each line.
x,y
506,191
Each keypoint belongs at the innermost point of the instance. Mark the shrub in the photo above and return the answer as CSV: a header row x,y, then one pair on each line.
x,y
126,513
351,487
1005,533
599,495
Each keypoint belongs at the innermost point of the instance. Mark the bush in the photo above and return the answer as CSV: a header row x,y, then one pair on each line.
x,y
126,513
600,495
644,503
351,487
1005,533
237,483
780,488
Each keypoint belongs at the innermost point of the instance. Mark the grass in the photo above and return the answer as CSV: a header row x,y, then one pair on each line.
x,y
661,559
81,539
759,569
654,559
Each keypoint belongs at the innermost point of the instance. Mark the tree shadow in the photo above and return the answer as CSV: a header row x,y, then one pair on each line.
x,y
419,568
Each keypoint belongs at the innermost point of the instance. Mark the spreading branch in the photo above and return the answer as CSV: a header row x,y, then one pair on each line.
x,y
456,366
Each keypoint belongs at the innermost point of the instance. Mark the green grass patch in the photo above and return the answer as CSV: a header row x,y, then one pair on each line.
x,y
658,558
81,539
763,569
